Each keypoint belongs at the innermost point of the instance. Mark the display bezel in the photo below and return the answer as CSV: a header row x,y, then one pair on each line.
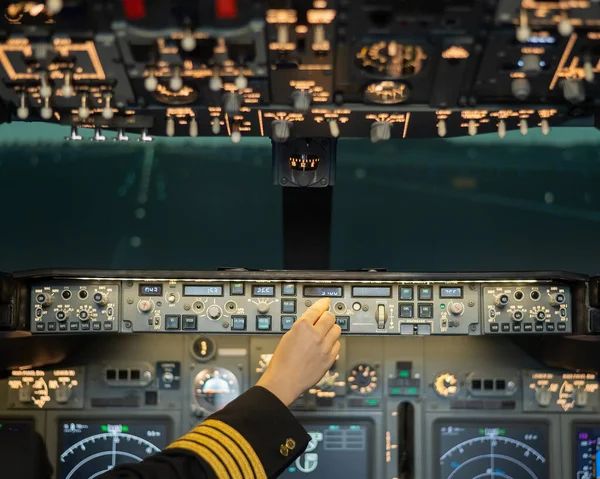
x,y
360,420
579,423
141,285
443,286
60,420
271,285
470,422
203,285
373,286
304,287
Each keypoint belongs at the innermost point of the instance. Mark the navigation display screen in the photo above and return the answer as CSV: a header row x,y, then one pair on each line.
x,y
337,449
492,449
587,452
88,448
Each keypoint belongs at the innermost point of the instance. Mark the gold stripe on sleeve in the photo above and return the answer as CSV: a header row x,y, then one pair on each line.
x,y
259,470
231,447
204,453
226,456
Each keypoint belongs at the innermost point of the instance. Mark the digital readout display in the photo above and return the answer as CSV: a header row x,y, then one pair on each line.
x,y
203,290
148,289
451,292
262,290
323,291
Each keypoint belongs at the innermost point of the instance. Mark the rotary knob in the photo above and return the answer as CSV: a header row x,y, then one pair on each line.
x,y
557,299
171,298
301,100
456,308
145,305
520,88
62,315
45,299
263,307
280,130
232,102
501,300
214,312
168,377
83,315
573,90
380,131
517,315
101,299
543,397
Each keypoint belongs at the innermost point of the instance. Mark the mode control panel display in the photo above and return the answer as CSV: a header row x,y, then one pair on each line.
x,y
75,306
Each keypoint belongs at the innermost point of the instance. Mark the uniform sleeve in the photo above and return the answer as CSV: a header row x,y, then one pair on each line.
x,y
253,437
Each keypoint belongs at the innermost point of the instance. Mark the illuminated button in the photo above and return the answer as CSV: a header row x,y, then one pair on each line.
x,y
108,325
356,306
494,327
52,326
172,321
516,327
559,326
549,326
190,321
85,326
288,289
238,323
406,293
236,289
407,329
425,293
263,323
343,322
424,329
288,306
74,326
287,322
425,310
505,327
40,326
528,327
96,325
406,310
62,326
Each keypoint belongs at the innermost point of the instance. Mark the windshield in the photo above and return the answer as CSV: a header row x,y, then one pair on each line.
x,y
480,203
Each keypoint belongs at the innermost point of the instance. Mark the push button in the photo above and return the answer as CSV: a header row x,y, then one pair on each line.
x,y
343,322
406,293
108,325
287,322
74,326
549,326
39,326
238,323
528,327
505,327
494,327
425,293
96,325
172,321
84,326
539,327
288,289
52,326
263,323
424,329
62,326
236,289
407,329
516,327
406,310
425,310
559,326
288,306
190,321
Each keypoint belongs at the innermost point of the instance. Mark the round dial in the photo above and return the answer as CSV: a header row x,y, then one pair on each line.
x,y
446,384
215,388
362,379
390,59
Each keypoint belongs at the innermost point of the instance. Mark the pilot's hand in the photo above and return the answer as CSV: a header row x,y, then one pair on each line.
x,y
304,355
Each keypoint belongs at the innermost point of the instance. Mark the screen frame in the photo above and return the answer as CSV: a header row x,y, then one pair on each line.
x,y
478,420
304,286
344,420
62,418
205,285
142,294
573,449
373,286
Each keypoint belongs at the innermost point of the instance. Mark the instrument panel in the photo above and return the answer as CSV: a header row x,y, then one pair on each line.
x,y
379,305
329,68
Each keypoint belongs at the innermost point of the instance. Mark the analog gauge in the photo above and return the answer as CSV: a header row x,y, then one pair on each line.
x,y
387,92
204,349
263,363
391,59
362,379
446,385
215,388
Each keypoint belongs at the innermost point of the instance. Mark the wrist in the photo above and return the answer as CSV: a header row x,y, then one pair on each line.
x,y
279,389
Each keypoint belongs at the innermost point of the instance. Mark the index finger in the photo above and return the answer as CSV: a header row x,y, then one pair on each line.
x,y
313,313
